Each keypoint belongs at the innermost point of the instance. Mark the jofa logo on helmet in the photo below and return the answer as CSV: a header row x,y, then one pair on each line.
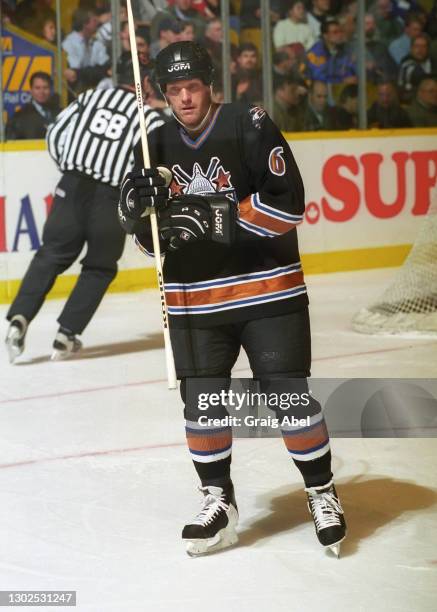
x,y
179,66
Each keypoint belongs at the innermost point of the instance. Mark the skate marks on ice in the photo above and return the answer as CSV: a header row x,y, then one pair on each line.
x,y
151,342
370,505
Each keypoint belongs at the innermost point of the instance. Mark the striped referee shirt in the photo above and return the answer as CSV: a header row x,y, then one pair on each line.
x,y
96,134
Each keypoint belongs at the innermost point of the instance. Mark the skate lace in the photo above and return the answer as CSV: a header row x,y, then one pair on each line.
x,y
212,506
326,509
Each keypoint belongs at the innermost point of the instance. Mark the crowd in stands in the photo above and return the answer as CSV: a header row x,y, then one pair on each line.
x,y
315,52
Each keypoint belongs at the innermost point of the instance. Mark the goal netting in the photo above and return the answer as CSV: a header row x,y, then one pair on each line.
x,y
409,304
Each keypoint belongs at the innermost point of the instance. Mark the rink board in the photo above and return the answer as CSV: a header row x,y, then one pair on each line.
x,y
366,195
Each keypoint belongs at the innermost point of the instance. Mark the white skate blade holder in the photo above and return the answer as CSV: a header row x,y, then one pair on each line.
x,y
14,350
70,347
15,338
223,539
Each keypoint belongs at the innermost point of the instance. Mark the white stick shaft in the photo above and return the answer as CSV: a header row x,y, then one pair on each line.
x,y
171,371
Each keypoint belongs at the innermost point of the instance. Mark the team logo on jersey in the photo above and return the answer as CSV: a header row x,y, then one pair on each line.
x,y
214,180
276,161
257,114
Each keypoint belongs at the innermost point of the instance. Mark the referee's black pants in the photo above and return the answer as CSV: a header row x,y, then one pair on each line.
x,y
84,211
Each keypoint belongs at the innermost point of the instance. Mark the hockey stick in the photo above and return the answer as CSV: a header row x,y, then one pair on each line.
x,y
171,372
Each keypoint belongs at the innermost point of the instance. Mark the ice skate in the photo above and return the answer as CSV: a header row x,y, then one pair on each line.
x,y
64,345
16,336
214,526
328,516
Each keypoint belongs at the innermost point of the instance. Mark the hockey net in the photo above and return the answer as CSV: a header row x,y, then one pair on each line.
x,y
409,304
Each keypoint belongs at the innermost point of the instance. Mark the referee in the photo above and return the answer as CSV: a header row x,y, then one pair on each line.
x,y
92,143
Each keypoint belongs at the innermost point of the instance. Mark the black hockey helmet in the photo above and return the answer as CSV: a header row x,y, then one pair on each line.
x,y
183,60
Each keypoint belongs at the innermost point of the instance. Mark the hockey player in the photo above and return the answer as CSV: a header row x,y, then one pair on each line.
x,y
233,278
91,142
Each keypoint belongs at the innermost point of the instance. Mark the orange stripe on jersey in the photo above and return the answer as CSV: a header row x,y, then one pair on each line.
x,y
256,217
234,292
307,440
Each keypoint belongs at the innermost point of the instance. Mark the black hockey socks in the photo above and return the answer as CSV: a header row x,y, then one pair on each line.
x,y
215,474
317,472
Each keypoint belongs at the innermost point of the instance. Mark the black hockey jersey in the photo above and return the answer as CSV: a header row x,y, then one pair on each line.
x,y
242,155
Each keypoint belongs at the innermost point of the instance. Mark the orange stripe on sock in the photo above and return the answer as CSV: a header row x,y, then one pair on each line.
x,y
209,443
307,440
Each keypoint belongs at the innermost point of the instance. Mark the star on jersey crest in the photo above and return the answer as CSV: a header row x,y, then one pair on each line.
x,y
214,180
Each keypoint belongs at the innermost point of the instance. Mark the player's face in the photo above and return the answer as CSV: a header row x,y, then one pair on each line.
x,y
40,91
189,99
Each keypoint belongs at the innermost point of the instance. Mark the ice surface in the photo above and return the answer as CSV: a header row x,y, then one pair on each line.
x,y
96,482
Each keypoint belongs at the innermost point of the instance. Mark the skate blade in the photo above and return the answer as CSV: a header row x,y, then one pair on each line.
x,y
223,539
62,354
14,351
59,355
13,348
335,548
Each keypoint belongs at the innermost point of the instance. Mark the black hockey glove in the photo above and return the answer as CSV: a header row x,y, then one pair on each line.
x,y
142,190
185,220
188,218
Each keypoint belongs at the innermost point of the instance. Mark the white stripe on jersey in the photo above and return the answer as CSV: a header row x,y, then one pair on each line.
x,y
96,134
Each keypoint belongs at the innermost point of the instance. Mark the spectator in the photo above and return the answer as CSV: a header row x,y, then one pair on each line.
x,y
318,114
145,10
31,15
345,114
386,112
181,10
400,47
295,28
286,111
208,9
423,109
327,60
348,22
32,119
124,65
213,43
379,63
247,86
320,10
286,63
414,67
168,32
104,32
403,8
48,31
87,58
388,25
187,31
